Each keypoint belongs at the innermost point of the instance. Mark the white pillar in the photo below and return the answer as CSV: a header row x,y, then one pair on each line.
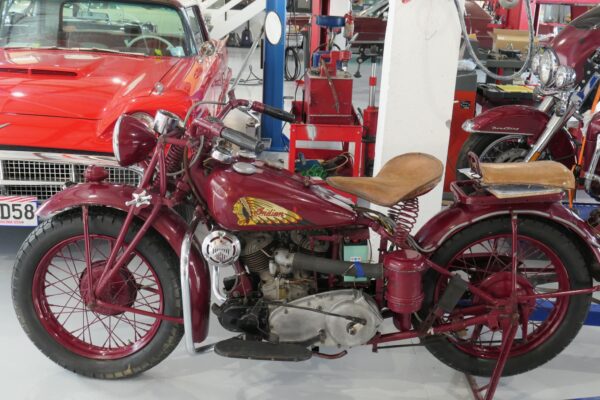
x,y
417,89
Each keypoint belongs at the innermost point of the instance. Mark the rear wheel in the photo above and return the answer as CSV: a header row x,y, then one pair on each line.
x,y
491,149
548,261
51,288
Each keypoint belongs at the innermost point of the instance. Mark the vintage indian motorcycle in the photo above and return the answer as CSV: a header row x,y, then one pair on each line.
x,y
568,71
109,282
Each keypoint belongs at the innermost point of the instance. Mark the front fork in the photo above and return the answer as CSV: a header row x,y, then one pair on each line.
x,y
555,124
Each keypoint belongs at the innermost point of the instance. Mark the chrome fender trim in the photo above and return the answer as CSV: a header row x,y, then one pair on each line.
x,y
184,271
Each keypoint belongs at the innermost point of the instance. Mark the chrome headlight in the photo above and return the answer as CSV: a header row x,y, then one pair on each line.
x,y
115,139
145,118
548,66
536,61
565,77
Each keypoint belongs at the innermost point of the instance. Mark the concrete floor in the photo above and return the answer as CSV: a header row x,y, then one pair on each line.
x,y
408,373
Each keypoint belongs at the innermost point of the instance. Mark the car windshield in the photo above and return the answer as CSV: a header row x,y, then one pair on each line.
x,y
149,29
376,10
589,20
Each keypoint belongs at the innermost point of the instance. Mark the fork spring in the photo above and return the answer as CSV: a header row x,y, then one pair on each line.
x,y
174,158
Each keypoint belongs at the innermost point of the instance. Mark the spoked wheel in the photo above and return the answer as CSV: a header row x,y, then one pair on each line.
x,y
493,149
505,149
547,262
91,335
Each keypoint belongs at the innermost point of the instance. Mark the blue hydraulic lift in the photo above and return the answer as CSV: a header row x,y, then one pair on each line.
x,y
274,54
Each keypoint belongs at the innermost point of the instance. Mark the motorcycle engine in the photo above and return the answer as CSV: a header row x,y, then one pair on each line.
x,y
279,282
341,318
291,323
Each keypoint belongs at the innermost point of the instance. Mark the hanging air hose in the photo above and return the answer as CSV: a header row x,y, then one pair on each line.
x,y
291,54
463,26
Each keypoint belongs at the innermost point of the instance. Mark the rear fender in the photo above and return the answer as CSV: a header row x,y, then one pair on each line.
x,y
168,224
454,219
527,121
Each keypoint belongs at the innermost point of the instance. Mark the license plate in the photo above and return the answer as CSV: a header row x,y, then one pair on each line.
x,y
18,211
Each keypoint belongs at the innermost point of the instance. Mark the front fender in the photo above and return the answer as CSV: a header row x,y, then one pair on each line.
x,y
460,216
526,121
509,120
168,224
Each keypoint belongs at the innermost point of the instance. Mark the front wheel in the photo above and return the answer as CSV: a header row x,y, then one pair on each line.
x,y
50,288
547,261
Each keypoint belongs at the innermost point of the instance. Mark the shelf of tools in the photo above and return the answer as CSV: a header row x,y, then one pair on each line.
x,y
329,137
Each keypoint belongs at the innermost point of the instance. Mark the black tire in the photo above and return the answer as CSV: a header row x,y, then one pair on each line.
x,y
477,143
102,222
579,277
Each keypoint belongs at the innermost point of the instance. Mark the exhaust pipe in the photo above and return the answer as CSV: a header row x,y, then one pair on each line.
x,y
327,266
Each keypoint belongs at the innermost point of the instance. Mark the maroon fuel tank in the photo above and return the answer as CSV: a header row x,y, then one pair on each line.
x,y
268,199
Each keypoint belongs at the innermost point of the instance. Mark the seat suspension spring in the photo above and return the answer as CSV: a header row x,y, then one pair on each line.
x,y
405,215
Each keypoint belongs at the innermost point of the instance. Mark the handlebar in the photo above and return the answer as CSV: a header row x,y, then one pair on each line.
x,y
273,112
242,140
215,128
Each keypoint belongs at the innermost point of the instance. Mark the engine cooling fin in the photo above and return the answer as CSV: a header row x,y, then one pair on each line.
x,y
254,252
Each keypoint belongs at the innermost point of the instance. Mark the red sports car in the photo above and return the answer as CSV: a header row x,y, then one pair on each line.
x,y
68,69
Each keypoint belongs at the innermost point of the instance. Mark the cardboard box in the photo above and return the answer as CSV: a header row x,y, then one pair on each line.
x,y
511,39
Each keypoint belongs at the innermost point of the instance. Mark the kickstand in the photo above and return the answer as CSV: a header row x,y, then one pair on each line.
x,y
486,392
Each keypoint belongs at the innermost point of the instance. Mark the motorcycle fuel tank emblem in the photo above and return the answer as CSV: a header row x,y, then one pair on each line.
x,y
253,211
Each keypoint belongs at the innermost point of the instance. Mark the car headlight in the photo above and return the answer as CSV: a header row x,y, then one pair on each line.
x,y
536,61
565,77
548,65
132,140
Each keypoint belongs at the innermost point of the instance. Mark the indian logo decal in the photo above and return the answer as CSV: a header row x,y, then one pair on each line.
x,y
253,211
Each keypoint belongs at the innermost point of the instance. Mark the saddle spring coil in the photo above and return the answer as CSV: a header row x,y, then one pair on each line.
x,y
405,215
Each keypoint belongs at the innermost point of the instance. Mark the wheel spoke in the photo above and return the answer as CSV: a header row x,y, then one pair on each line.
x,y
487,264
99,332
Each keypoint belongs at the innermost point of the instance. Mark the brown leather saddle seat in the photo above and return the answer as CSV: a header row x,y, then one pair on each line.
x,y
550,174
402,178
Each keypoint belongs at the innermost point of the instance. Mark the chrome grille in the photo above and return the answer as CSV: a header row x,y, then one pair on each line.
x,y
39,191
36,171
44,179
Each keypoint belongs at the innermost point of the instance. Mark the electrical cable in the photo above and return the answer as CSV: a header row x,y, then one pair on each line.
x,y
463,26
296,58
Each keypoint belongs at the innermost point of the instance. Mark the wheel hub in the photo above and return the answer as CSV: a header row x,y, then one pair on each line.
x,y
121,289
512,155
499,285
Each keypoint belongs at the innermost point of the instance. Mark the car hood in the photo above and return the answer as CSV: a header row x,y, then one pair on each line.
x,y
75,84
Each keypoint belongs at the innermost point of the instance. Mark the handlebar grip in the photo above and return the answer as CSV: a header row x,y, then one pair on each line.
x,y
242,140
278,113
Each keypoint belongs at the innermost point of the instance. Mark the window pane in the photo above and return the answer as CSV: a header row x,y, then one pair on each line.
x,y
143,28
